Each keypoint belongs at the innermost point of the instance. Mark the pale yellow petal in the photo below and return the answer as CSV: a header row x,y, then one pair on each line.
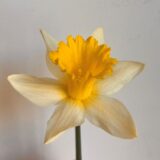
x,y
41,91
123,72
67,115
51,44
99,35
112,116
54,69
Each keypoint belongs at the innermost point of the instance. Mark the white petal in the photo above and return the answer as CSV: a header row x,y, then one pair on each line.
x,y
41,91
51,44
112,116
67,115
99,35
123,72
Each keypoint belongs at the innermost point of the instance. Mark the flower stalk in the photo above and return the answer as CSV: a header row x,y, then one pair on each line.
x,y
78,143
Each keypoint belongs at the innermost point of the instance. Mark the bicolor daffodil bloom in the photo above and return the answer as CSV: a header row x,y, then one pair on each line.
x,y
85,78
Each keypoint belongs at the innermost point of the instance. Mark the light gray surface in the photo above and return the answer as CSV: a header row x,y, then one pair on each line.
x,y
132,29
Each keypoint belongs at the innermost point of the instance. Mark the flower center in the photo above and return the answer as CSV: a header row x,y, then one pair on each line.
x,y
84,62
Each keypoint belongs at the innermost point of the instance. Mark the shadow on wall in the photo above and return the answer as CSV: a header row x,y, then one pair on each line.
x,y
7,102
29,156
21,136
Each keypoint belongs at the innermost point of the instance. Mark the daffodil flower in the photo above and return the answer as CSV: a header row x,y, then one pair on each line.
x,y
85,78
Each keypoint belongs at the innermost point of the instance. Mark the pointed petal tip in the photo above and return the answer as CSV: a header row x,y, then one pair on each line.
x,y
141,66
11,78
132,133
43,32
129,134
136,65
46,141
49,139
98,34
49,41
135,134
129,137
100,29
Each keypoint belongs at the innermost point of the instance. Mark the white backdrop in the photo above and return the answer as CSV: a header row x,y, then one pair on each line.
x,y
132,29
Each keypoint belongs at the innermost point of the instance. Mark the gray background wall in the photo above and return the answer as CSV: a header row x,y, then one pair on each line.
x,y
132,29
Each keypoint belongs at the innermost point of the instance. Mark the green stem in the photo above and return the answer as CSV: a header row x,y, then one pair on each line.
x,y
78,143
